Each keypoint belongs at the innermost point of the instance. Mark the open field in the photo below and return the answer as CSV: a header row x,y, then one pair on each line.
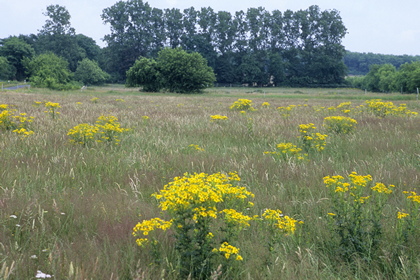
x,y
69,210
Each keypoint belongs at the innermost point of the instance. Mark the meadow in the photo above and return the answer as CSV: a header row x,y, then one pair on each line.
x,y
68,208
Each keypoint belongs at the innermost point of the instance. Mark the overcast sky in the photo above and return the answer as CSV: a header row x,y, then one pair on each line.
x,y
378,26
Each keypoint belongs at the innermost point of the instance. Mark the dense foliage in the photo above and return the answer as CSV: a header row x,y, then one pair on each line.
x,y
88,72
387,78
15,50
254,47
55,37
48,70
174,69
6,69
359,63
145,72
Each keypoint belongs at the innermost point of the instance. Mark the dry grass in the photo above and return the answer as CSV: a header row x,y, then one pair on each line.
x,y
76,206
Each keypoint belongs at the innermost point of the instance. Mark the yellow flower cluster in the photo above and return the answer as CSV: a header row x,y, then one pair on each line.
x,y
109,127
306,128
344,185
402,215
381,188
106,129
376,107
234,217
285,111
312,140
18,123
218,118
228,250
344,107
382,109
242,105
288,150
200,190
265,105
279,221
6,122
359,180
83,133
202,212
196,147
413,196
23,132
147,226
354,185
339,124
52,107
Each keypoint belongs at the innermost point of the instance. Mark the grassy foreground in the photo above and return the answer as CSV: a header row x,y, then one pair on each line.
x,y
68,210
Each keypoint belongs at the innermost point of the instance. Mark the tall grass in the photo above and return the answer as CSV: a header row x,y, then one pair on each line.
x,y
68,210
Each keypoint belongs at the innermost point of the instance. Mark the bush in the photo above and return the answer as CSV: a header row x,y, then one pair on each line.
x,y
89,73
174,69
50,71
7,71
145,72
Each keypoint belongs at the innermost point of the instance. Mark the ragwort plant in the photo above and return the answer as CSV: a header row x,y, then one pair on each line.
x,y
344,107
17,123
311,141
408,218
242,105
107,129
339,124
382,109
279,226
83,134
218,118
357,211
110,129
206,215
287,152
52,109
285,111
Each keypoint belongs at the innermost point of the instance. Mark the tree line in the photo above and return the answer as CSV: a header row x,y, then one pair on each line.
x,y
254,47
388,78
359,63
56,57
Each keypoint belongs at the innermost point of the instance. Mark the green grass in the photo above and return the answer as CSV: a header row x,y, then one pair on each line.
x,y
69,210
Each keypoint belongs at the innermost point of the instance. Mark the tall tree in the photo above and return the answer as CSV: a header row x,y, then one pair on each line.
x,y
58,36
136,30
145,72
173,27
206,35
15,50
295,48
224,32
48,70
7,71
184,72
88,47
88,72
58,22
189,36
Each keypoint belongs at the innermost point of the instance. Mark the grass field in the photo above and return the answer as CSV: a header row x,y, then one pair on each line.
x,y
68,210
